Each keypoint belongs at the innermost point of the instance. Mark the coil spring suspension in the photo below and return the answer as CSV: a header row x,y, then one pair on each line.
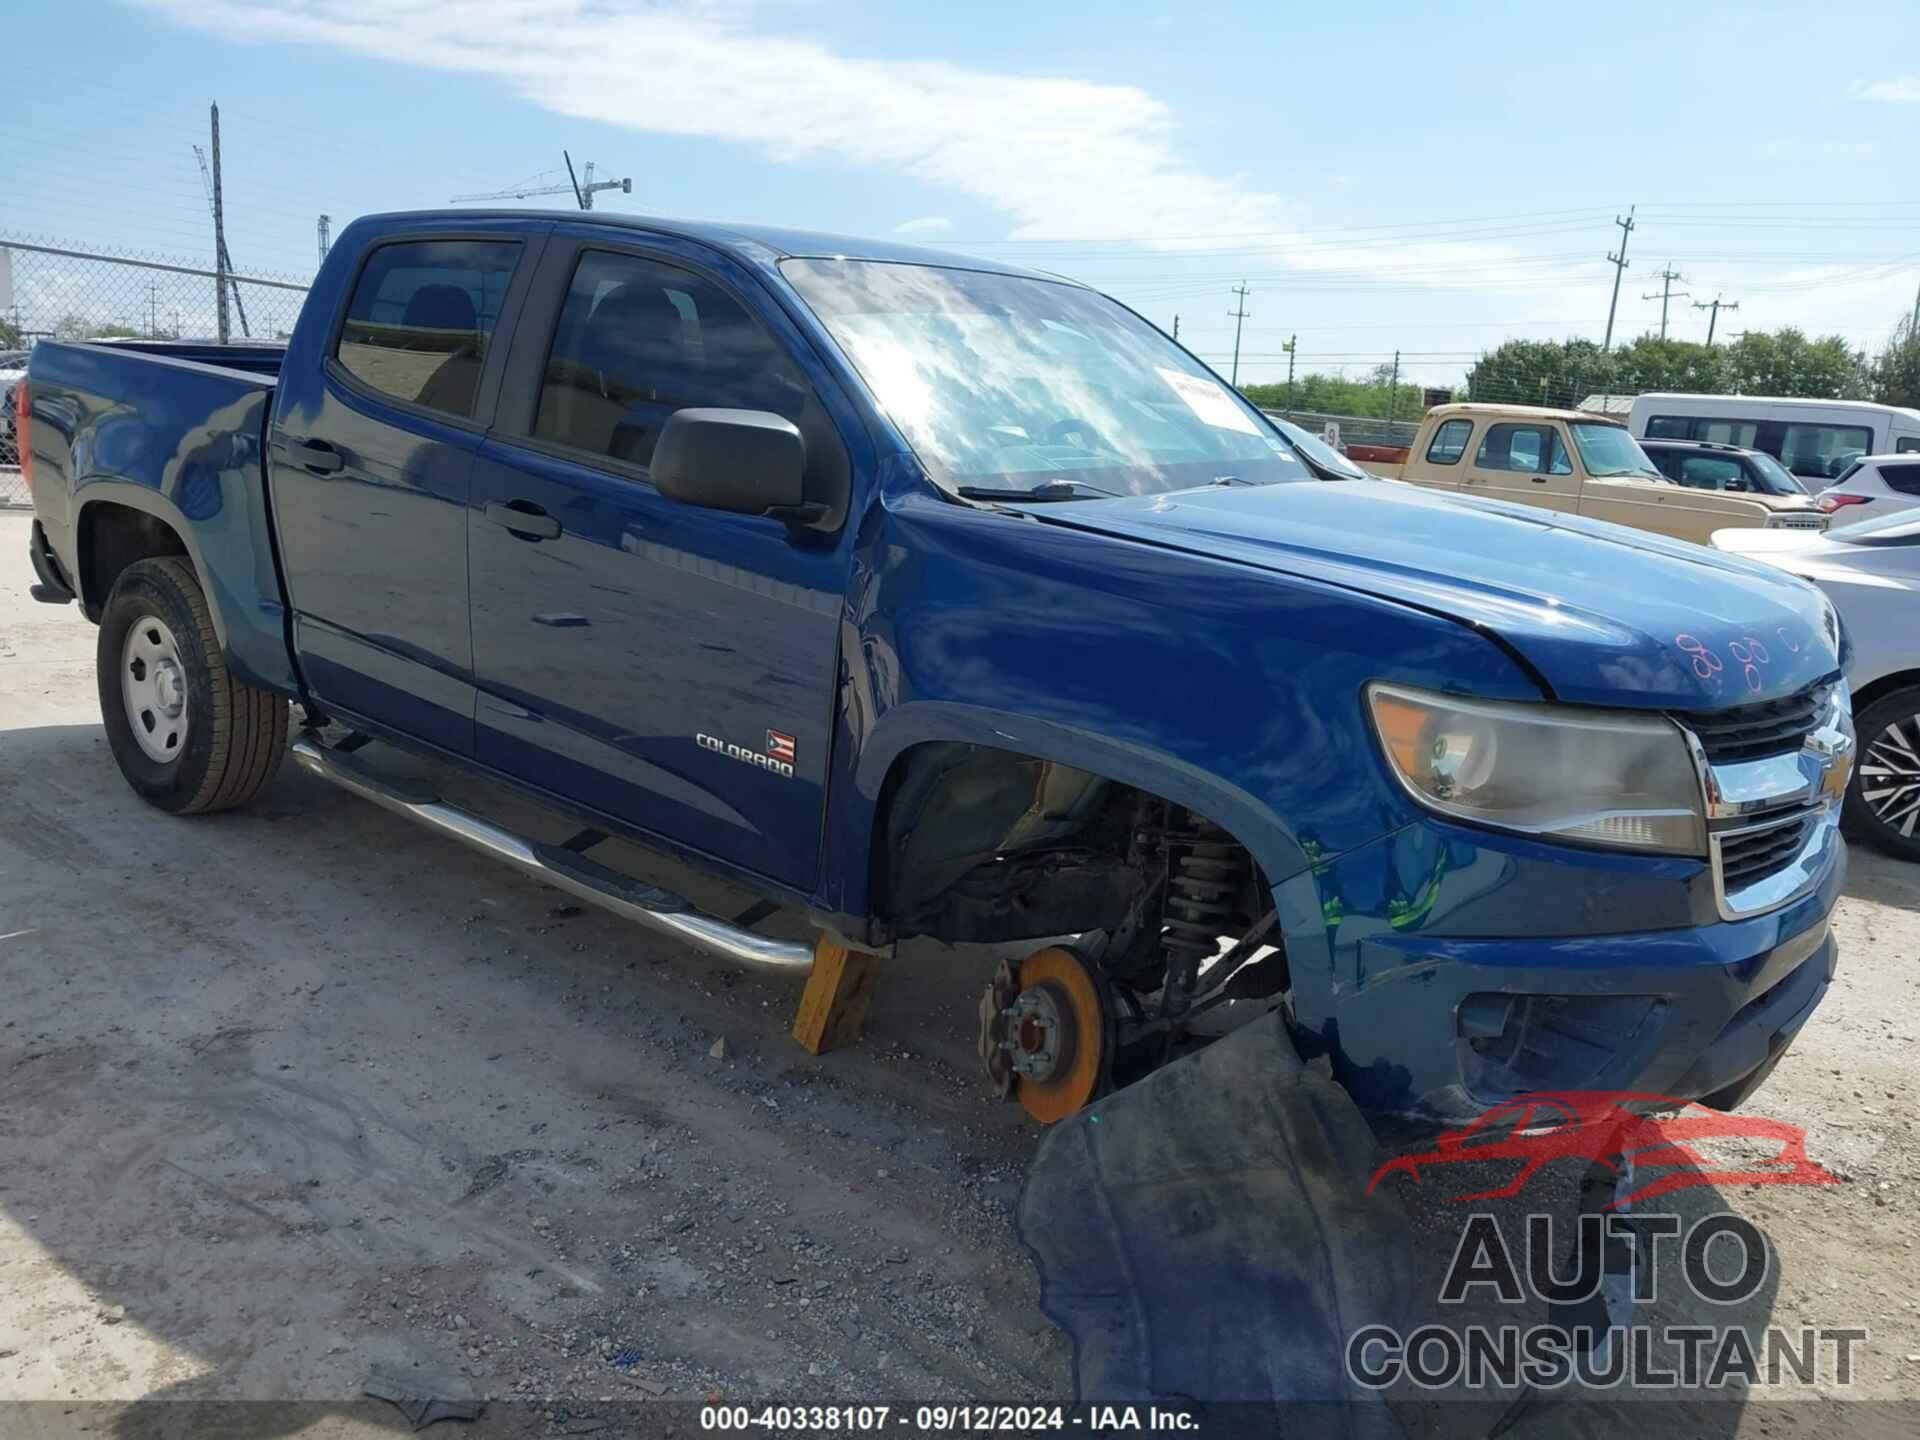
x,y
1204,871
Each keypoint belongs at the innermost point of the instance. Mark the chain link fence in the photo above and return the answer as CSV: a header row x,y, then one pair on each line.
x,y
55,291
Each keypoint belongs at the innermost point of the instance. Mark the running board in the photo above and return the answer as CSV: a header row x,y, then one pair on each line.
x,y
658,910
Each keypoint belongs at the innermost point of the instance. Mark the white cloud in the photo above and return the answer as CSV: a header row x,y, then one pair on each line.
x,y
925,225
1061,158
1900,89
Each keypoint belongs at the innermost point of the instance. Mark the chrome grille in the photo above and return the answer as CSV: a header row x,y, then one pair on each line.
x,y
1748,732
1755,854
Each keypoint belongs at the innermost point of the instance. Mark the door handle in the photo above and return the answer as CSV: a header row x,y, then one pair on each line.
x,y
316,456
1539,479
523,518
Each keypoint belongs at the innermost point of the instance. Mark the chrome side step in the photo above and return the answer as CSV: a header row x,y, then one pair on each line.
x,y
657,909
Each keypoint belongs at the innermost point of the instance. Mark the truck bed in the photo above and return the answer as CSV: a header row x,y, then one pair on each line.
x,y
176,430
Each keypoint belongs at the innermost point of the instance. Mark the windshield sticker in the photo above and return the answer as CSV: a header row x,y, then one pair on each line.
x,y
1209,401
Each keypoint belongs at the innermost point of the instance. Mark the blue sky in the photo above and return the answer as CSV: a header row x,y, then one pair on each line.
x,y
1428,178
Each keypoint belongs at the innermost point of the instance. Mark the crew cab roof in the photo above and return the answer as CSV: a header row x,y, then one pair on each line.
x,y
762,245
1473,408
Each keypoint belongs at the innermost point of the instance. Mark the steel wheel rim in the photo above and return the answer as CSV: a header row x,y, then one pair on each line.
x,y
153,687
1890,776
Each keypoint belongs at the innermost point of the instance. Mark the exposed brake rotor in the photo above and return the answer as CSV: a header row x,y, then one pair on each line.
x,y
1045,1033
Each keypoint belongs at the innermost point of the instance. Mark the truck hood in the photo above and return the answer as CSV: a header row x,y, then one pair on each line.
x,y
1604,615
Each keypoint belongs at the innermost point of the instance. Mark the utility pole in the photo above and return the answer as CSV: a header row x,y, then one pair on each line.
x,y
1667,292
325,232
1914,328
1176,329
1393,388
1239,316
1716,305
1288,347
219,234
1619,263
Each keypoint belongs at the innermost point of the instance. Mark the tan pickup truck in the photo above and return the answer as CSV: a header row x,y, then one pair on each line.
x,y
1583,464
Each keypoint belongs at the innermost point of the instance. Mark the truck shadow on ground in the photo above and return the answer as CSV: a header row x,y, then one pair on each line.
x,y
296,1092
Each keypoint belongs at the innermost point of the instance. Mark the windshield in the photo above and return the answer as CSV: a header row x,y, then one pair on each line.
x,y
1318,451
1009,385
1610,450
1775,478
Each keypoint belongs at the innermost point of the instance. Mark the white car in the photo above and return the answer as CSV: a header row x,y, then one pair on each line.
x,y
1874,485
1871,572
13,369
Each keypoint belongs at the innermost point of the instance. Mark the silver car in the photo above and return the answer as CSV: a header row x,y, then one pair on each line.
x,y
1871,571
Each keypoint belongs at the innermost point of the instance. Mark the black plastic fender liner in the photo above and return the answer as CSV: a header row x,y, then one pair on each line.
x,y
1205,1235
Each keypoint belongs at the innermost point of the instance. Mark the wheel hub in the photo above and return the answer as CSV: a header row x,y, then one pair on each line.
x,y
1040,1038
153,688
1043,1033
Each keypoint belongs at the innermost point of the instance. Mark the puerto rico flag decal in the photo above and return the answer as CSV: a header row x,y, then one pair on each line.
x,y
780,747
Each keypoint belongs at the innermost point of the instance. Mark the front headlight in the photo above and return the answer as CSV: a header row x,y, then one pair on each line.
x,y
1595,776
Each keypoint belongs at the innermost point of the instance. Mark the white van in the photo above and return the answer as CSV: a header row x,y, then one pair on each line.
x,y
1815,439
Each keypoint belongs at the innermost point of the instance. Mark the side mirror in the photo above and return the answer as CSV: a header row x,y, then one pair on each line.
x,y
747,461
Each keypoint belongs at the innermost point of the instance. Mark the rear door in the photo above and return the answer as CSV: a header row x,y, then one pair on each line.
x,y
373,455
1526,463
669,666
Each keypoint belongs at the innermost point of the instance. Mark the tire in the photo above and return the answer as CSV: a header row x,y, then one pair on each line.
x,y
208,740
1888,770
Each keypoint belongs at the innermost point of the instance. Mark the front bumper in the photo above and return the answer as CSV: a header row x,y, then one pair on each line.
x,y
1452,983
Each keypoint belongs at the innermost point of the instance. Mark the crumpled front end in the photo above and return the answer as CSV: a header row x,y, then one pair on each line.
x,y
1460,967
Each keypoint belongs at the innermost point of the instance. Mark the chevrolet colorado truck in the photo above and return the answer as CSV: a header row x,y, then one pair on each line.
x,y
1581,464
929,597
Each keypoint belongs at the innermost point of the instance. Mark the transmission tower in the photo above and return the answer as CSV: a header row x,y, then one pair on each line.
x,y
325,230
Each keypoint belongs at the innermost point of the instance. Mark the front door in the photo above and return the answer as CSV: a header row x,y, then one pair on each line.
x,y
372,456
670,666
1524,463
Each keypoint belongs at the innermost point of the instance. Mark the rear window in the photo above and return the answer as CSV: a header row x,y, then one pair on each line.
x,y
420,317
1823,451
1710,472
1904,478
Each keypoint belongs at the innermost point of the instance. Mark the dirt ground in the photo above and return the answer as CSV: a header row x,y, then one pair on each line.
x,y
294,1093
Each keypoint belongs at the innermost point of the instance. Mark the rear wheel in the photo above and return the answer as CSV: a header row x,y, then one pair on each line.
x,y
189,735
1883,800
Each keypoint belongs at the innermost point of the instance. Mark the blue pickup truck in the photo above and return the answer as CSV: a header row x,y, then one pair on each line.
x,y
930,597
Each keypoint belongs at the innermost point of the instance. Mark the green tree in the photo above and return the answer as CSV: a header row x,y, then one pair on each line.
x,y
76,327
1373,398
1896,374
1542,372
9,334
1786,362
1650,363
